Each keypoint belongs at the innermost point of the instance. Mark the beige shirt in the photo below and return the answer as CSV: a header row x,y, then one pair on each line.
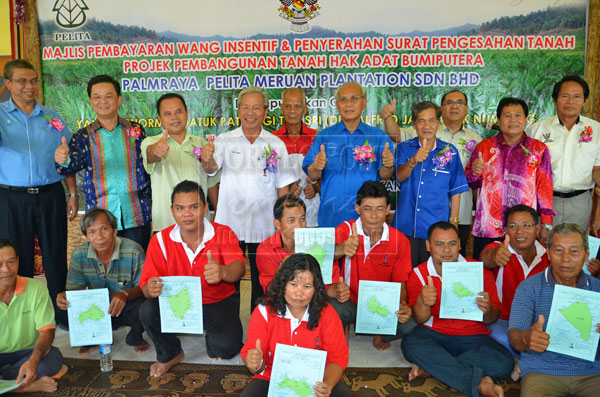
x,y
459,139
176,166
572,161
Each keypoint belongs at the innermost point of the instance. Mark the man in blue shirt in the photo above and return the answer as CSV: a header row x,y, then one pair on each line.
x,y
431,179
32,199
544,372
346,155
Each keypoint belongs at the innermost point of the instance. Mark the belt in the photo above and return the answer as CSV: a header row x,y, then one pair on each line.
x,y
30,190
570,194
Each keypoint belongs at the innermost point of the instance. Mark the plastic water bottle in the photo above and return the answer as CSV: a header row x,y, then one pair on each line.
x,y
106,364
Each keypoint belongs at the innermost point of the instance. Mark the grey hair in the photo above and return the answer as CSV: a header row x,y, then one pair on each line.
x,y
254,90
90,217
569,228
363,90
294,89
421,106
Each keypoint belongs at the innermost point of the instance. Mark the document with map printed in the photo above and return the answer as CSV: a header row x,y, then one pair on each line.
x,y
594,244
8,385
461,284
181,305
377,305
572,322
320,243
89,321
296,371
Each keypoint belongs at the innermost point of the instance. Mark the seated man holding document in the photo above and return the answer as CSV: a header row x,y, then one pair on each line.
x,y
453,300
295,314
115,263
201,249
373,251
554,321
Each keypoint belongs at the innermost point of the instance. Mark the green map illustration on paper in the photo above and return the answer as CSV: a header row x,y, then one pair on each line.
x,y
461,291
94,313
376,308
578,314
301,387
317,252
180,303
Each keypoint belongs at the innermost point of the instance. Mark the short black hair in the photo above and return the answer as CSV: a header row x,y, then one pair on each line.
x,y
450,92
10,67
4,242
372,189
442,225
507,101
287,201
575,79
169,95
188,187
103,78
91,215
521,208
421,107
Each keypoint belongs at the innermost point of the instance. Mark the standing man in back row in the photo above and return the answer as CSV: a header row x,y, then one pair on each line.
x,y
346,155
574,146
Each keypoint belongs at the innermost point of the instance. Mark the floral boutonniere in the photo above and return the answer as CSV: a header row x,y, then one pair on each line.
x,y
272,159
469,145
443,157
134,133
55,123
586,134
364,154
196,152
533,159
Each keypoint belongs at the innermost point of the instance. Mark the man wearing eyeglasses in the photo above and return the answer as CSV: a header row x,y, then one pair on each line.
x,y
575,152
298,137
255,172
518,257
32,199
346,155
455,109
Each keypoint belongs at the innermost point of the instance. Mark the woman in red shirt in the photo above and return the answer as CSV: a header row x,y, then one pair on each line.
x,y
295,312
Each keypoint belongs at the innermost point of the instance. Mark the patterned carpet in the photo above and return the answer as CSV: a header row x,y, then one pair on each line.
x,y
131,378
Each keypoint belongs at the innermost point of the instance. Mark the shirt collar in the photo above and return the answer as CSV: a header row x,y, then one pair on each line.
x,y
209,233
238,133
385,235
341,128
431,267
500,139
583,278
11,107
93,254
288,314
559,121
539,249
21,283
95,126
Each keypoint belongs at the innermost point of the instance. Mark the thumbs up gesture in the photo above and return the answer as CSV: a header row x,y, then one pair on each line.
x,y
500,254
477,166
387,157
213,272
207,153
309,190
537,339
351,245
254,358
342,291
320,159
423,151
295,189
161,148
428,293
61,154
388,110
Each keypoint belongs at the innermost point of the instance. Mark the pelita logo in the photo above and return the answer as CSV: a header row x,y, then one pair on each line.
x,y
70,13
299,12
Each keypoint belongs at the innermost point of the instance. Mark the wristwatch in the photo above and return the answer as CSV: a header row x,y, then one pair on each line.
x,y
455,219
71,195
547,226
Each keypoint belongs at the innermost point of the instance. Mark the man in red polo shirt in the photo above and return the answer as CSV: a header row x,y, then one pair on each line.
x,y
373,251
297,138
459,353
289,213
520,256
194,247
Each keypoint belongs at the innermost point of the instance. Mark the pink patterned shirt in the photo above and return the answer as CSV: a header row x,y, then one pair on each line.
x,y
517,174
